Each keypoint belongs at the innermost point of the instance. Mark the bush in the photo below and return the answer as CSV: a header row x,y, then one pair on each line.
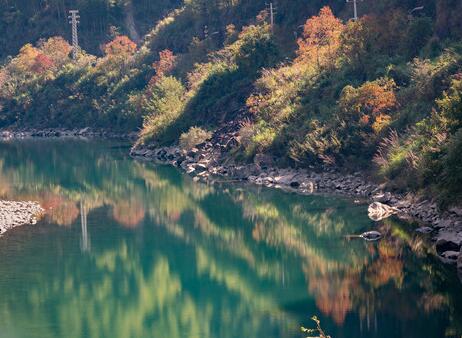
x,y
163,104
193,137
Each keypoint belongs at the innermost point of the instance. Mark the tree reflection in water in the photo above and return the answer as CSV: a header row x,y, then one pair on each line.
x,y
172,258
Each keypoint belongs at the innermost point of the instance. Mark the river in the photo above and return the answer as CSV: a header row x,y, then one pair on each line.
x,y
130,249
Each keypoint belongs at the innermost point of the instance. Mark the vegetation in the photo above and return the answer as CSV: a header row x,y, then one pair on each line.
x,y
382,93
194,137
318,329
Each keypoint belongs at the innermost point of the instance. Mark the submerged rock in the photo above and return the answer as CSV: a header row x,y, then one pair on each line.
x,y
378,211
371,236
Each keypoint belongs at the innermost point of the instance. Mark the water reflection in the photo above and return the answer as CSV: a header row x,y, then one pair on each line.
x,y
132,250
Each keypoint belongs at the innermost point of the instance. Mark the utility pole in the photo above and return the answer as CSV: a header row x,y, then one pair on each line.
x,y
272,12
355,8
74,21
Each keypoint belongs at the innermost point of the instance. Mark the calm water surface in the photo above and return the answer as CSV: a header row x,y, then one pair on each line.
x,y
129,249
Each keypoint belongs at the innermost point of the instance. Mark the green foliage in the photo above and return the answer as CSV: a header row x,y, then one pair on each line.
x,y
193,137
162,105
381,93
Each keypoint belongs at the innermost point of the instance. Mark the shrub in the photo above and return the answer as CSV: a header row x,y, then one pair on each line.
x,y
163,104
193,137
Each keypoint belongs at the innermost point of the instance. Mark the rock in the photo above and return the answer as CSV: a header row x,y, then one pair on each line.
x,y
445,223
294,184
456,210
448,241
378,211
199,167
13,214
83,131
424,230
449,257
459,263
371,235
382,197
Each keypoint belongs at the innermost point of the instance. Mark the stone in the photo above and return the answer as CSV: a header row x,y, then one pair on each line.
x,y
456,210
459,263
382,197
200,167
449,257
424,230
448,241
379,211
371,235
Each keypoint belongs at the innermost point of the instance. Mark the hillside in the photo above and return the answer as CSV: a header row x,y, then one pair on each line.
x,y
24,21
380,94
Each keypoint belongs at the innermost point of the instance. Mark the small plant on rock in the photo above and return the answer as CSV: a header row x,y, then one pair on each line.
x,y
318,330
193,137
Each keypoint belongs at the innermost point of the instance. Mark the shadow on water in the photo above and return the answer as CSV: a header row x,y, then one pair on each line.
x,y
128,249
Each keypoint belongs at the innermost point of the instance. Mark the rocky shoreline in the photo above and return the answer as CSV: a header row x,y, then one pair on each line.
x,y
14,214
8,134
210,163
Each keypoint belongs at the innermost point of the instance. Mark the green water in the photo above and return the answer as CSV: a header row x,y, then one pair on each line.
x,y
128,249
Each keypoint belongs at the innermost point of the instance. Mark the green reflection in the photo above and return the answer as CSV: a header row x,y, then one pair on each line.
x,y
132,250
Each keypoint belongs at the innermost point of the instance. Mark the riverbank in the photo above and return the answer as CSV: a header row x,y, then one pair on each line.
x,y
211,162
14,214
7,134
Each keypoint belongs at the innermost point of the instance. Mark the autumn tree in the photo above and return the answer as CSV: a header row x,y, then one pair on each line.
x,y
163,66
121,46
25,60
57,49
321,39
42,63
369,105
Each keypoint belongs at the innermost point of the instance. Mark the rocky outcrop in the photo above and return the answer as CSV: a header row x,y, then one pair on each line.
x,y
14,214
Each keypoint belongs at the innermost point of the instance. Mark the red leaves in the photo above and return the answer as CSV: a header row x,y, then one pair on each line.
x,y
42,63
163,66
120,46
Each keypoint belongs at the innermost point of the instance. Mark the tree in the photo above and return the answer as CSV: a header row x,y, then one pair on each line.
x,y
321,39
121,46
369,105
26,59
42,63
163,66
57,49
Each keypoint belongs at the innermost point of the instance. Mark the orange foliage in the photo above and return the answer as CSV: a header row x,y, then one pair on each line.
x,y
321,39
26,58
163,66
57,49
42,63
371,103
121,46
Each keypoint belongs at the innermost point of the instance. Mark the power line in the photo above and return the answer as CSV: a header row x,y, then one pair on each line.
x,y
355,8
272,12
74,21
